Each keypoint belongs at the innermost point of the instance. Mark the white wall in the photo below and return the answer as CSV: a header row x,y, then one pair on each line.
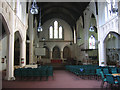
x,y
68,36
3,53
113,42
66,27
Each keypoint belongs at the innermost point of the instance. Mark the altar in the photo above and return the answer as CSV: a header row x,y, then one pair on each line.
x,y
56,61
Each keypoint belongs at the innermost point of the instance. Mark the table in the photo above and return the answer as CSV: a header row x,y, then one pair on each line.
x,y
116,74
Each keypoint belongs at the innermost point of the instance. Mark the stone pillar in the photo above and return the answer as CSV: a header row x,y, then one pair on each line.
x,y
119,17
50,54
61,54
23,53
102,54
10,58
31,34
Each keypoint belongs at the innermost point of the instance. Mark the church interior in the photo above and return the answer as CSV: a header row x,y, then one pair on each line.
x,y
60,44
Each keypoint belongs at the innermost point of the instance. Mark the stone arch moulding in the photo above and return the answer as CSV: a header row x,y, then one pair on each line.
x,y
19,35
93,11
54,47
105,36
5,24
67,46
94,16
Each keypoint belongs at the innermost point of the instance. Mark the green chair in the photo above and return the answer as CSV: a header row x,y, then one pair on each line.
x,y
24,73
110,80
44,72
98,73
29,72
118,79
113,70
103,79
118,70
50,71
17,73
105,71
37,72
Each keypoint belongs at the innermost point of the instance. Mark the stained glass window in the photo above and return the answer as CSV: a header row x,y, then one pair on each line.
x,y
92,42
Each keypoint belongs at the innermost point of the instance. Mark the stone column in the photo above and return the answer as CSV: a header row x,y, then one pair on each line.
x,y
50,54
61,53
86,28
10,58
23,53
102,54
119,17
31,34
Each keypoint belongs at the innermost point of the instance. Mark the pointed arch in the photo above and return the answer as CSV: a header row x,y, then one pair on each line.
x,y
66,52
18,40
56,52
5,29
47,53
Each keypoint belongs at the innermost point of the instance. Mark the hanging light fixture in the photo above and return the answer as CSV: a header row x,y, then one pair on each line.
x,y
34,8
44,44
91,28
40,27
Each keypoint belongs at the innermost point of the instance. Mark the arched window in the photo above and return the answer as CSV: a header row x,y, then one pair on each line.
x,y
92,42
60,32
51,31
56,31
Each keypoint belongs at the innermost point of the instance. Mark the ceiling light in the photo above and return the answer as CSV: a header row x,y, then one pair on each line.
x,y
91,29
40,27
34,8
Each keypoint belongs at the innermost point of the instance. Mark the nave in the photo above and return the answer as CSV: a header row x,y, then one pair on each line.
x,y
62,79
60,39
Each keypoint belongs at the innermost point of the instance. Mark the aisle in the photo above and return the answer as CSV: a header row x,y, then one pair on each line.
x,y
62,79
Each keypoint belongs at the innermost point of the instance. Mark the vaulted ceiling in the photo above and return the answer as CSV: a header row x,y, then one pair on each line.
x,y
68,11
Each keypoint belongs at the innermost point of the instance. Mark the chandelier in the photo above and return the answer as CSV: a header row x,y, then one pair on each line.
x,y
34,8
